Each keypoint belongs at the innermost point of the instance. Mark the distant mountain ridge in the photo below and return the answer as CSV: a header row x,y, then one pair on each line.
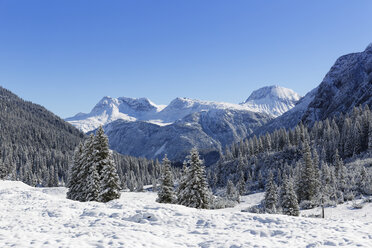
x,y
272,100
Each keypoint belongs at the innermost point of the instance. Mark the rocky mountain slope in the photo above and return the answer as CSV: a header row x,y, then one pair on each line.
x,y
138,127
347,84
209,131
272,100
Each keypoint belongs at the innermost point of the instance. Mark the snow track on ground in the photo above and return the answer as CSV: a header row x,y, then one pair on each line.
x,y
42,217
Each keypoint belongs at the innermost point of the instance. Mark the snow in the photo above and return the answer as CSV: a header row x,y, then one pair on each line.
x,y
42,217
161,149
272,100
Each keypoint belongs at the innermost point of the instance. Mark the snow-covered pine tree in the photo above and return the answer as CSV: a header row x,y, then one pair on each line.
x,y
340,171
91,176
231,192
288,198
109,184
241,184
3,170
166,191
75,182
271,195
307,184
194,192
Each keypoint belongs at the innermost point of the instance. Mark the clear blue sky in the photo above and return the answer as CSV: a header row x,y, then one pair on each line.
x,y
67,55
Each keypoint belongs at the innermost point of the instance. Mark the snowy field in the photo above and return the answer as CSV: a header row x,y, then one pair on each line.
x,y
42,217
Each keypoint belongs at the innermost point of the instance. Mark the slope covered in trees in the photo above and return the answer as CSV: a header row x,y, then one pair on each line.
x,y
35,144
313,157
37,147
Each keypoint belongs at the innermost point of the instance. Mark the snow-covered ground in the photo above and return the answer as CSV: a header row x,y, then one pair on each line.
x,y
42,217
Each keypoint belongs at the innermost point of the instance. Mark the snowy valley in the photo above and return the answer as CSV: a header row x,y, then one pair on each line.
x,y
43,217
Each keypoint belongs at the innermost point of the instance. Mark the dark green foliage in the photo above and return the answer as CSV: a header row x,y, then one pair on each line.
x,y
194,190
300,152
288,198
271,195
93,176
35,144
308,181
166,191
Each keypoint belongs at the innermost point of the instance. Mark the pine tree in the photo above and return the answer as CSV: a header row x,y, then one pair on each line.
x,y
231,192
241,184
271,195
183,181
91,176
3,170
307,185
166,191
109,182
340,172
288,198
74,183
195,192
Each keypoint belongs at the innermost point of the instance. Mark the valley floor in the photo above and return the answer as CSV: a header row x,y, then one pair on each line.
x,y
42,217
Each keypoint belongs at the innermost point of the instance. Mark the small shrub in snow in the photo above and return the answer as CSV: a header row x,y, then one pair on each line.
x,y
220,203
256,209
357,205
307,205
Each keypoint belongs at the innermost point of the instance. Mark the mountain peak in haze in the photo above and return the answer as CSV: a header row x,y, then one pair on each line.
x,y
272,100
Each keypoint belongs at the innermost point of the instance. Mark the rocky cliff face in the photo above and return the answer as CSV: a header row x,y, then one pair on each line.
x,y
209,131
347,84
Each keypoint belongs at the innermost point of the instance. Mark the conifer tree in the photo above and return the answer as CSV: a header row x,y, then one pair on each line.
x,y
195,191
307,185
109,182
241,184
231,192
75,182
166,191
271,195
91,176
288,198
183,181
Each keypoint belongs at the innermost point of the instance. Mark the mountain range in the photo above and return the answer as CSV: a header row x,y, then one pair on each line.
x,y
272,100
141,128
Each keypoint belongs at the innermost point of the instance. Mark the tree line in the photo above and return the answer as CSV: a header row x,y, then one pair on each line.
x,y
310,160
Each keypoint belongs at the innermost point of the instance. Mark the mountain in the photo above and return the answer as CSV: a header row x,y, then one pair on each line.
x,y
35,144
347,84
110,109
272,100
138,127
208,130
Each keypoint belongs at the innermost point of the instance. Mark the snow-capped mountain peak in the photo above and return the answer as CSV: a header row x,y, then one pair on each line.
x,y
272,100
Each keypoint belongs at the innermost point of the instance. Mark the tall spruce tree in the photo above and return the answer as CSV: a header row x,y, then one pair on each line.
x,y
194,192
307,184
166,191
93,176
288,198
271,195
106,168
